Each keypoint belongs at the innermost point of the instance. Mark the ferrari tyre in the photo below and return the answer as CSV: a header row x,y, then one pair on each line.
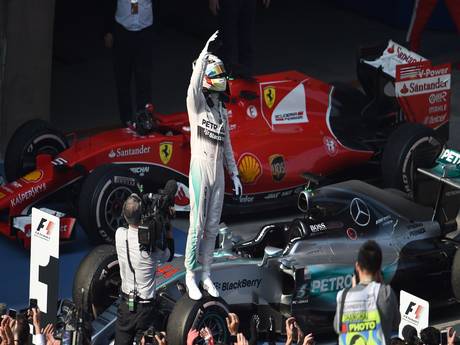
x,y
97,281
188,314
34,137
455,276
101,201
409,147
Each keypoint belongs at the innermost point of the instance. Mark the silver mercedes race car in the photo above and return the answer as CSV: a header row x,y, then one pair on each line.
x,y
296,268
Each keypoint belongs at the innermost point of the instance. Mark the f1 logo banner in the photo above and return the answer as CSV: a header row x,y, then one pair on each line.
x,y
44,263
414,311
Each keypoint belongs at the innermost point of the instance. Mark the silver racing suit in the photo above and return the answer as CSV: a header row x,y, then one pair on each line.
x,y
210,148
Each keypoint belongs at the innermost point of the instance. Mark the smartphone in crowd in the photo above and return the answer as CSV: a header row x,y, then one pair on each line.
x,y
33,303
443,340
12,313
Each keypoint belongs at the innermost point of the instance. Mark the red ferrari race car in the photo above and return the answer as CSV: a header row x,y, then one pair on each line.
x,y
282,126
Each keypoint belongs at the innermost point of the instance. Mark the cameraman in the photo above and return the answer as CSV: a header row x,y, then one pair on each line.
x,y
367,311
136,312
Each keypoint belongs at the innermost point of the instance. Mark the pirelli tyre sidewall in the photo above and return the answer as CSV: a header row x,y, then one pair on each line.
x,y
408,142
101,201
99,276
455,277
189,314
32,138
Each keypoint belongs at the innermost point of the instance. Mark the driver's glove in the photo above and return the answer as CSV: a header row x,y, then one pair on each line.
x,y
237,187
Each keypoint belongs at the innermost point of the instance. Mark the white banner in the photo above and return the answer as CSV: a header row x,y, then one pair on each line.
x,y
44,263
414,311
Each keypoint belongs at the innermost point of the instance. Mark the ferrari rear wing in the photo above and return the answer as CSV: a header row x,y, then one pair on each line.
x,y
446,190
392,73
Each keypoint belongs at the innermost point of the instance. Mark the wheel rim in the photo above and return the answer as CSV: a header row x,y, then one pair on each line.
x,y
216,323
113,207
106,290
421,154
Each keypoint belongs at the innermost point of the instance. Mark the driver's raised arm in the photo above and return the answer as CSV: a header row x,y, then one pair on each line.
x,y
195,98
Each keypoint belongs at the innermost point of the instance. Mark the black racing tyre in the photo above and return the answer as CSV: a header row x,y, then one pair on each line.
x,y
32,138
187,314
410,146
455,275
101,201
99,276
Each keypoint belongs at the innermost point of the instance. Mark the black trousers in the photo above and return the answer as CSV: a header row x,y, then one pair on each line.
x,y
132,57
236,19
132,325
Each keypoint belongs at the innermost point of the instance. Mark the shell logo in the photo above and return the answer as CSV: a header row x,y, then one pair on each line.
x,y
249,168
33,176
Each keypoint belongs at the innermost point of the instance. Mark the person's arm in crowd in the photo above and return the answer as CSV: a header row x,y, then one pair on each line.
x,y
194,92
38,337
309,339
289,330
337,312
206,334
241,339
191,336
6,333
451,334
110,6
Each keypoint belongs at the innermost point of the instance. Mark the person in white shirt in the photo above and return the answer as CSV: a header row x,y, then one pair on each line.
x,y
137,271
129,30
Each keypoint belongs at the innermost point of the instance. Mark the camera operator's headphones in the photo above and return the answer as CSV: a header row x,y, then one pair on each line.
x,y
139,200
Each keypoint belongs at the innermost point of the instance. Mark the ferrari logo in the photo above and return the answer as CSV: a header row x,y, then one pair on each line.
x,y
269,96
166,150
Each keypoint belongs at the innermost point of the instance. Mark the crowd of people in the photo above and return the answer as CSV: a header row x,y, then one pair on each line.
x,y
369,300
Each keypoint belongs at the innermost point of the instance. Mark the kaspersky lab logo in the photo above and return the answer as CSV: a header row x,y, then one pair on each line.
x,y
414,310
44,229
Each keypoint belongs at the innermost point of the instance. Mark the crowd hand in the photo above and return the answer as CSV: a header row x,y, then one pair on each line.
x,y
36,316
451,334
191,336
6,334
161,341
300,334
290,330
241,339
48,332
309,340
237,187
266,3
214,6
233,323
108,40
206,334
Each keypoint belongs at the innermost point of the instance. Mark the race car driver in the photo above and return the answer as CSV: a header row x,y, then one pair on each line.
x,y
421,14
210,148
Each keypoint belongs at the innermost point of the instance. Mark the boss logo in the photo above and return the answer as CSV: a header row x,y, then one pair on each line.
x,y
318,227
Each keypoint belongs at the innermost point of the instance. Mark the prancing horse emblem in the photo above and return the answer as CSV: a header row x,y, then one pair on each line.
x,y
166,150
269,96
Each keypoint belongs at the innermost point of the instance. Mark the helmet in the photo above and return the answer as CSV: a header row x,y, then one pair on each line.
x,y
215,78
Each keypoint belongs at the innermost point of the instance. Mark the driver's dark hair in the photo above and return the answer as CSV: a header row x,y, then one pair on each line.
x,y
370,257
132,210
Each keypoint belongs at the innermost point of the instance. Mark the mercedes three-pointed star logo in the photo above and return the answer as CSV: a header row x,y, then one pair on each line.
x,y
360,212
